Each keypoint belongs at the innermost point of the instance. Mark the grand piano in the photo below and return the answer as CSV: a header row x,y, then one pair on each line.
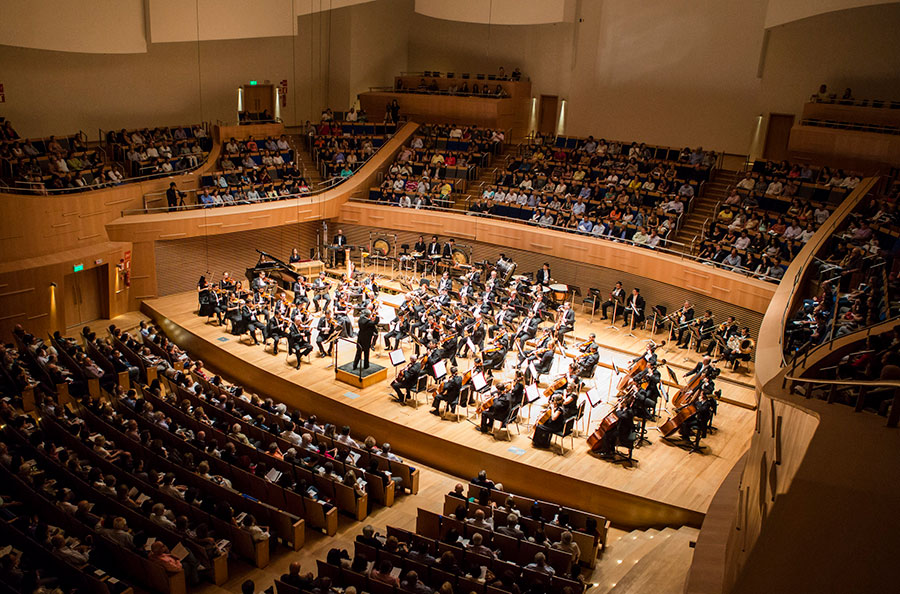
x,y
274,268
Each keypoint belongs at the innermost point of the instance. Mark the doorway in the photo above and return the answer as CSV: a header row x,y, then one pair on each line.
x,y
85,296
548,114
778,133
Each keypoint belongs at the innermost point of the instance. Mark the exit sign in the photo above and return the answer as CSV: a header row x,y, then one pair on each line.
x,y
78,268
253,83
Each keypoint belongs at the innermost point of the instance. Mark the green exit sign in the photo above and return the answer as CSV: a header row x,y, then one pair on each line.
x,y
253,83
78,268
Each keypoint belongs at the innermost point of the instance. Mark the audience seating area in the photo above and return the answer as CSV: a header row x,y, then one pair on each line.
x,y
770,214
54,164
160,151
437,164
605,189
472,547
339,148
857,284
253,171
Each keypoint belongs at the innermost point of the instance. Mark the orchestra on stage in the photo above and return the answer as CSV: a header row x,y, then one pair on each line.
x,y
451,316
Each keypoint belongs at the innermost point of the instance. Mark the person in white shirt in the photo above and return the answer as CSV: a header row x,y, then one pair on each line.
x,y
579,208
282,144
775,188
351,115
654,239
792,231
747,183
742,242
152,152
821,214
345,438
640,237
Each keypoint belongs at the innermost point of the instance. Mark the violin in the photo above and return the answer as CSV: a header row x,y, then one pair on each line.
x,y
558,384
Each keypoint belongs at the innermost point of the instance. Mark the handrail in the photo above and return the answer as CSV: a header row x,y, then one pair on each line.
x,y
865,386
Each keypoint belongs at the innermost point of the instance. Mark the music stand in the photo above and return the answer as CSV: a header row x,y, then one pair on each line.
x,y
612,320
397,359
532,395
631,324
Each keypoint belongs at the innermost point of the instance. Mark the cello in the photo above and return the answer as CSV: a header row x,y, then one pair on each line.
x,y
609,423
636,367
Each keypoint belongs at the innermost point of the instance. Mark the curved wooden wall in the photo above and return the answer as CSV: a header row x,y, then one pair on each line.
x,y
746,292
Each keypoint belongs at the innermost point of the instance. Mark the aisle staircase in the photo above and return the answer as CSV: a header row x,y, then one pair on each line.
x,y
305,161
714,191
646,561
485,177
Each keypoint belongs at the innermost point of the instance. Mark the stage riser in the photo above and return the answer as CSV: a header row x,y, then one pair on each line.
x,y
623,509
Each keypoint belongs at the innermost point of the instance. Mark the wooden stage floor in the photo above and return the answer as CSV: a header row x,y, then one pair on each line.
x,y
668,485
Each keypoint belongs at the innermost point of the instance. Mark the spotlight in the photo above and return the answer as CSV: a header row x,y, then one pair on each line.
x,y
52,284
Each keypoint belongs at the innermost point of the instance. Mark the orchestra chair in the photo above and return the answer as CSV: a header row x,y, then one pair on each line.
x,y
580,427
592,297
464,394
308,359
421,388
512,419
568,430
629,456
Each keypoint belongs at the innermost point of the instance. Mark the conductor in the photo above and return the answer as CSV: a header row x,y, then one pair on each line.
x,y
368,327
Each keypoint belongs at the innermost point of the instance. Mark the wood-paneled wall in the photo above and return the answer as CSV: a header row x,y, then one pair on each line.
x,y
180,262
680,274
566,269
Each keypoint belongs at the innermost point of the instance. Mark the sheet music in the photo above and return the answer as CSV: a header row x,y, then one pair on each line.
x,y
478,381
440,369
397,357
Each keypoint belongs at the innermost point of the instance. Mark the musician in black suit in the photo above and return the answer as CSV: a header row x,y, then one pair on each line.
x,y
448,393
527,329
320,292
327,328
702,366
566,322
503,318
542,276
406,379
682,319
616,296
227,283
252,323
397,331
434,248
420,248
446,283
447,252
298,339
368,328
340,242
260,282
502,405
299,288
634,306
702,329
646,398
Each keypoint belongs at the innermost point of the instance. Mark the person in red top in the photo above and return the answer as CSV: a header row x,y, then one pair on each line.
x,y
382,573
160,554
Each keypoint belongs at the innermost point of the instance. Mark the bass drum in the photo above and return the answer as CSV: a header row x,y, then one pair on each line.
x,y
380,247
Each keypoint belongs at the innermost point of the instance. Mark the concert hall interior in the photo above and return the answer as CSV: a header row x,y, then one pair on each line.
x,y
449,296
